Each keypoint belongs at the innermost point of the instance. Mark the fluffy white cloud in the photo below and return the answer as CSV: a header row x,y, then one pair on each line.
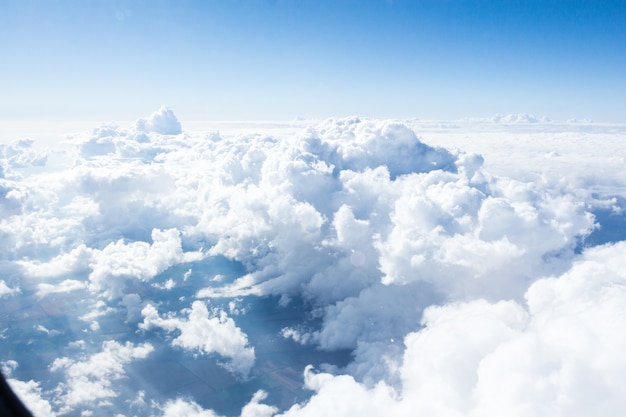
x,y
205,332
75,261
31,394
180,407
351,204
120,261
558,355
162,121
5,290
67,285
20,154
89,381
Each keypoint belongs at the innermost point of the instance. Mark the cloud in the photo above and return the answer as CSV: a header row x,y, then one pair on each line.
x,y
90,380
5,290
20,154
120,261
556,355
341,217
75,261
163,121
180,407
206,332
64,286
31,394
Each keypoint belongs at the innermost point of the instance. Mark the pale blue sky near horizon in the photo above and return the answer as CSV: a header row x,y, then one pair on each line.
x,y
282,59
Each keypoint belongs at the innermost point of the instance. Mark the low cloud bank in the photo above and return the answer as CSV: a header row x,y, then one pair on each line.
x,y
458,292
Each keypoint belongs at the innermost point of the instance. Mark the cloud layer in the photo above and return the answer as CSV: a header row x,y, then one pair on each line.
x,y
455,291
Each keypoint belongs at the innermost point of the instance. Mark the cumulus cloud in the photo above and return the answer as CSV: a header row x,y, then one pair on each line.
x,y
180,407
64,286
89,381
20,154
342,217
120,261
558,354
205,332
5,290
162,121
31,394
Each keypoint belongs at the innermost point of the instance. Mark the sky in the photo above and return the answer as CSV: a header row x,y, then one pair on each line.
x,y
283,59
313,208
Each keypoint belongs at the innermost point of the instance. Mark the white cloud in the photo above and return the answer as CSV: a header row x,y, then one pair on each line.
x,y
5,290
20,154
180,407
76,261
256,409
120,261
162,121
341,208
561,355
31,395
90,380
67,285
205,332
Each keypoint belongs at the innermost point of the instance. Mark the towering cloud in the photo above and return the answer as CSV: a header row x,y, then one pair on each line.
x,y
162,121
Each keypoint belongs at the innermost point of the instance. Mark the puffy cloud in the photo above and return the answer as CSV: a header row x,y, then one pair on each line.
x,y
205,332
90,380
5,290
120,261
67,285
75,261
379,237
162,121
180,407
12,198
31,395
256,409
519,118
340,209
558,355
20,154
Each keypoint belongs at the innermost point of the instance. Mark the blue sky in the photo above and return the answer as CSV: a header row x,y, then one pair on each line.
x,y
281,59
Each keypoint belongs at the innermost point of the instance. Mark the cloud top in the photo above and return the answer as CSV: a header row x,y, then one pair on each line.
x,y
162,121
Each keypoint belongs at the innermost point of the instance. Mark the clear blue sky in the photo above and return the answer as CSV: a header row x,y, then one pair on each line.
x,y
279,59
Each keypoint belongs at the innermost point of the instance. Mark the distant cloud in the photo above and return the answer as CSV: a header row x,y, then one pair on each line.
x,y
163,121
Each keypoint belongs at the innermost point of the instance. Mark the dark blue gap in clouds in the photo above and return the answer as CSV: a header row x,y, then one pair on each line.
x,y
612,225
40,330
170,373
